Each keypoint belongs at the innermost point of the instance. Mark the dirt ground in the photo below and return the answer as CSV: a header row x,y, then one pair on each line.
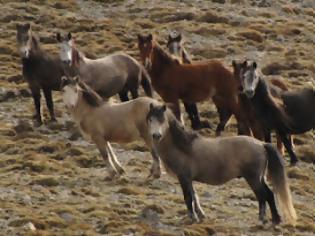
x,y
52,182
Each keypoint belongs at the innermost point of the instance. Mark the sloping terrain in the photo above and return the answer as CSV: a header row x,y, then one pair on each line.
x,y
52,182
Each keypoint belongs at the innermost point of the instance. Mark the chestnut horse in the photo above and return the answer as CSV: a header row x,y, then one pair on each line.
x,y
174,45
276,88
192,83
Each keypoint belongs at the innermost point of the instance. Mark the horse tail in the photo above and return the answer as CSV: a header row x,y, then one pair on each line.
x,y
279,181
146,82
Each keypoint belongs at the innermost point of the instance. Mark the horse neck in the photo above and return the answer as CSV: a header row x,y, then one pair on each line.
x,y
160,60
82,109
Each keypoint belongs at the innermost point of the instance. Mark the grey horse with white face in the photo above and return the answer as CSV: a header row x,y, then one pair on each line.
x,y
191,157
117,73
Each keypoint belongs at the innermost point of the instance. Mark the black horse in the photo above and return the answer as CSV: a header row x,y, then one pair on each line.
x,y
41,71
293,113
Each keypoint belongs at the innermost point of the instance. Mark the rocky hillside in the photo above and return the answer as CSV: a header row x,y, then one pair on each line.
x,y
52,182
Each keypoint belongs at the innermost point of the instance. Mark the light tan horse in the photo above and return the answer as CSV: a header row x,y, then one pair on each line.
x,y
104,122
192,157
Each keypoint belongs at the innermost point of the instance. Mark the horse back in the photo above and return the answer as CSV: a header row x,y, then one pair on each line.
x,y
44,71
300,106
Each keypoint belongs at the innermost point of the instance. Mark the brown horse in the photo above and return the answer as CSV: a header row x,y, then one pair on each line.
x,y
112,74
276,89
293,113
40,70
191,157
192,83
174,45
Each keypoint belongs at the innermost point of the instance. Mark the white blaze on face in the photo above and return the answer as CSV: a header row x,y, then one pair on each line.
x,y
175,49
25,50
65,51
70,96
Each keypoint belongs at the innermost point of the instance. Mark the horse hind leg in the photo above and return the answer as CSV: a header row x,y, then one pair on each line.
x,y
103,150
271,201
257,186
288,145
114,160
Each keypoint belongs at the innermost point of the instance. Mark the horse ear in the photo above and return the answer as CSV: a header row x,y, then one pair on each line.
x,y
234,64
140,38
164,108
58,37
254,65
151,106
150,37
244,64
69,36
27,26
179,37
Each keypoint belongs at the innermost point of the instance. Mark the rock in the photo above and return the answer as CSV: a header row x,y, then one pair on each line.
x,y
16,79
252,35
219,1
46,181
29,226
210,17
296,173
6,94
23,126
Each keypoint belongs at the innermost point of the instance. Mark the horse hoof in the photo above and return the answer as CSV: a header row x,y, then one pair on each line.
x,y
38,123
294,163
276,220
121,171
53,120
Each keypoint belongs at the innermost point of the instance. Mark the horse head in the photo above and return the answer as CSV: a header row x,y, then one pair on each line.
x,y
67,51
248,76
174,43
27,42
145,45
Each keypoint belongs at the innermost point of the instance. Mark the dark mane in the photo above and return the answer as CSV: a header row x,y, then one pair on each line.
x,y
271,108
182,138
90,96
165,57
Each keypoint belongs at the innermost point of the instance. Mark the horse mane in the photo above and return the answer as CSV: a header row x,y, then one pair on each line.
x,y
90,96
166,57
181,137
276,105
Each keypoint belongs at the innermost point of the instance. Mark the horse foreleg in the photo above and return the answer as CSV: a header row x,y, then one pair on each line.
x,y
224,117
288,146
36,98
192,111
188,191
101,145
280,146
114,160
197,206
123,95
49,103
176,110
155,170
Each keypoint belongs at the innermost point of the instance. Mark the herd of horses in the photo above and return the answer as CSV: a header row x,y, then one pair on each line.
x,y
259,106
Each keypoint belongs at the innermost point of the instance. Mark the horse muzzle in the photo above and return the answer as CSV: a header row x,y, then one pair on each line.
x,y
156,136
249,93
147,64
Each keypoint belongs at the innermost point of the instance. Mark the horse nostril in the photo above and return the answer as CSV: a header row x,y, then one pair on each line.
x,y
156,136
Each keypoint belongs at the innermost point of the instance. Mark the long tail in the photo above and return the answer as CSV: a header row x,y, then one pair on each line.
x,y
146,82
280,183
